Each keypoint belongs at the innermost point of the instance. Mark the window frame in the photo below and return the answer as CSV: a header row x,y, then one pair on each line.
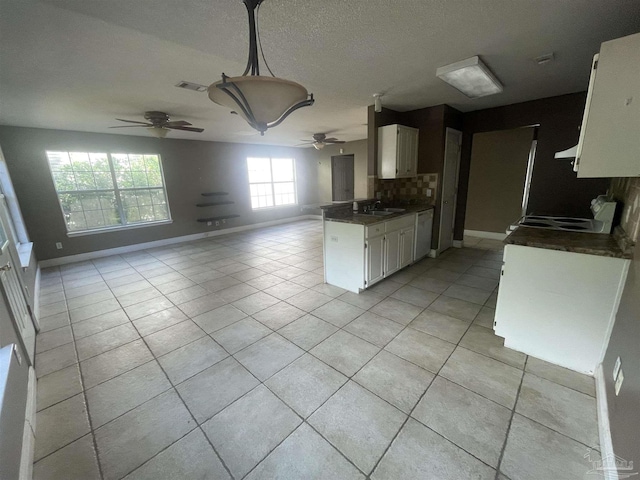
x,y
272,182
116,191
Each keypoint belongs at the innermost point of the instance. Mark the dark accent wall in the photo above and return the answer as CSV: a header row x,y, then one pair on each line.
x,y
555,188
190,168
432,123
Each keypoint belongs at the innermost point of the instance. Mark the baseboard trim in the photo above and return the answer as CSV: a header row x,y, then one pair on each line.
x,y
609,470
54,262
489,235
29,430
458,243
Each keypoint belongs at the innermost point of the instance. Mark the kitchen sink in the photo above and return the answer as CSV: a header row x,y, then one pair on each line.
x,y
395,210
378,213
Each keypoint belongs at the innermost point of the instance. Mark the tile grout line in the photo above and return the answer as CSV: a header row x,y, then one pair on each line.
x,y
513,412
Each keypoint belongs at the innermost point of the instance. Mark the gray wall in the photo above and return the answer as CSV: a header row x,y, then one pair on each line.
x,y
322,160
496,182
624,413
190,168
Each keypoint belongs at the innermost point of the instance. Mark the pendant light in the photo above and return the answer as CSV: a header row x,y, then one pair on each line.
x,y
263,101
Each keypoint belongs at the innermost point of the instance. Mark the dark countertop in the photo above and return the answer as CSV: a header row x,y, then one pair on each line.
x,y
589,243
361,219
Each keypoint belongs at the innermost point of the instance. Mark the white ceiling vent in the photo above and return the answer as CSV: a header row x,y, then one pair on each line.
x,y
196,87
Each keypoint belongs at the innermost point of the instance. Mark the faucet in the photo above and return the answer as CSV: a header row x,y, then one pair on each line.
x,y
376,204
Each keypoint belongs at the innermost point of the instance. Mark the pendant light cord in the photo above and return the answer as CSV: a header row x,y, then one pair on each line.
x,y
260,41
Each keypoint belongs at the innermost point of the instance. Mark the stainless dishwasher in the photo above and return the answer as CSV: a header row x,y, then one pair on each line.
x,y
424,227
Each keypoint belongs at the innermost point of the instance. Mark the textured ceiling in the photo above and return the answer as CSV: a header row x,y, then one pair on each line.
x,y
78,64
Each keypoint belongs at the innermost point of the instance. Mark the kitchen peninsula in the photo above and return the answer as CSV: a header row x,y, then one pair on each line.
x,y
361,248
559,293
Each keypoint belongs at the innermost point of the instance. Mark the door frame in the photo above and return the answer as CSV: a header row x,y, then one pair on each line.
x,y
353,162
438,250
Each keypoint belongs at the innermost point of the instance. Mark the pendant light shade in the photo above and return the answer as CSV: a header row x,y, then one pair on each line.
x,y
264,102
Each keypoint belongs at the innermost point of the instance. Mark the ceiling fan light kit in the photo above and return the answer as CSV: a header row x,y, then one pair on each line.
x,y
158,132
263,101
471,77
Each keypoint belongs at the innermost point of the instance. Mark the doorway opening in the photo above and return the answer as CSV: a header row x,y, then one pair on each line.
x,y
500,176
342,178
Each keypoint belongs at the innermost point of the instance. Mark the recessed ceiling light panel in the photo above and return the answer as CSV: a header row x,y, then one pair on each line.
x,y
196,87
471,77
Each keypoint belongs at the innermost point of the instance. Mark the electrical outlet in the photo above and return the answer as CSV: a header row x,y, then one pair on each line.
x,y
619,381
217,223
224,220
616,368
59,245
209,224
429,192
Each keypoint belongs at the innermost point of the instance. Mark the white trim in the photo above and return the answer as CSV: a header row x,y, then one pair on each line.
x,y
29,430
36,299
458,243
606,445
449,131
167,241
433,253
481,234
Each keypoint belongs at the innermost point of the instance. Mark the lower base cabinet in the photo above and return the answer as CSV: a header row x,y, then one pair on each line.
x,y
559,306
357,257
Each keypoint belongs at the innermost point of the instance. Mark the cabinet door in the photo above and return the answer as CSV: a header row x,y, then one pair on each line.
x,y
413,155
401,155
406,249
375,260
609,143
407,151
392,253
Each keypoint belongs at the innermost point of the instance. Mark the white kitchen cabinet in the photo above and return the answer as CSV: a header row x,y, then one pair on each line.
x,y
375,259
407,241
559,306
609,143
356,257
397,151
392,252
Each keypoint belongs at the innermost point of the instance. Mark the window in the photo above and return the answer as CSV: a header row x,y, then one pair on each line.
x,y
108,190
272,182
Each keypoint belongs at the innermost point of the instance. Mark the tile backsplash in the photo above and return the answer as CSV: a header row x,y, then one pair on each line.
x,y
627,191
406,188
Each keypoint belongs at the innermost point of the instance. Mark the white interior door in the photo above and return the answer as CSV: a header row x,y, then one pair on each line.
x,y
10,288
449,187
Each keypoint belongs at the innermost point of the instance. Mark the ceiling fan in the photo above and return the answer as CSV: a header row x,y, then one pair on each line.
x,y
159,124
320,140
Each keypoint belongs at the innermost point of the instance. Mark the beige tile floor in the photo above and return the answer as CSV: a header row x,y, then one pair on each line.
x,y
230,358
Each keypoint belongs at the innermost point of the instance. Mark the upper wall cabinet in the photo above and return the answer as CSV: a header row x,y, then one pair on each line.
x,y
609,143
397,151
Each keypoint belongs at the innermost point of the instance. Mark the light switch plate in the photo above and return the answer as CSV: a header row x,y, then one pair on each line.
x,y
616,368
429,192
619,381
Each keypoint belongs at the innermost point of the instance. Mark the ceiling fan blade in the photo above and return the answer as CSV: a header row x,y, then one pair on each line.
x,y
133,126
132,121
334,140
177,123
304,144
186,129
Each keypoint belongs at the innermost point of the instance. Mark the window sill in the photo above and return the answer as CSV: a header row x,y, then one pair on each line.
x,y
275,207
24,253
82,233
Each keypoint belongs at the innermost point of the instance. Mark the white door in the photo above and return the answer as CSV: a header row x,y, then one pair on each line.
x,y
10,288
449,188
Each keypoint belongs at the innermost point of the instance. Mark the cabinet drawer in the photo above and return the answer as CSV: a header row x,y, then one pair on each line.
x,y
402,222
374,230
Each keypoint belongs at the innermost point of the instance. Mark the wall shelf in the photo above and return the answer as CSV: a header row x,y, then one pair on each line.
x,y
217,219
213,204
213,194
